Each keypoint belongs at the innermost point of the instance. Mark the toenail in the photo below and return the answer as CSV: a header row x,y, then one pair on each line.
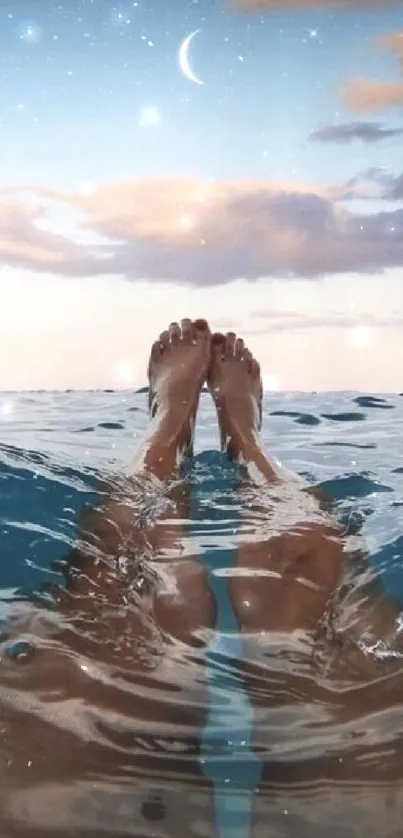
x,y
218,338
201,324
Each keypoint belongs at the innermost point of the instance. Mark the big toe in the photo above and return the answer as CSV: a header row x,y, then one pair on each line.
x,y
201,329
218,344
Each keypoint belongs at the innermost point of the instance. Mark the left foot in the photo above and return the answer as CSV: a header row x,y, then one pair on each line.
x,y
177,371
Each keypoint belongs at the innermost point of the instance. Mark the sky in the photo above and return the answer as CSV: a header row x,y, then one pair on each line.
x,y
238,160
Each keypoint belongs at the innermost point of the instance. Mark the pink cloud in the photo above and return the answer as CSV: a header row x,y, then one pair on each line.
x,y
365,95
192,232
368,95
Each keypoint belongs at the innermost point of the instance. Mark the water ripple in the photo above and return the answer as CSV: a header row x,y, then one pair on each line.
x,y
114,723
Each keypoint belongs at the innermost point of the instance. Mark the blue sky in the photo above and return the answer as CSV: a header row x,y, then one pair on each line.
x,y
123,182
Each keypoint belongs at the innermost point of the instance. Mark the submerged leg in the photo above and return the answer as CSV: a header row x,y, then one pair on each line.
x,y
290,562
289,559
111,691
136,534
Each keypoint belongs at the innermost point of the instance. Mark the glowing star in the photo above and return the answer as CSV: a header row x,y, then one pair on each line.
x,y
120,17
6,409
30,32
314,33
270,382
186,221
124,374
359,336
86,188
149,116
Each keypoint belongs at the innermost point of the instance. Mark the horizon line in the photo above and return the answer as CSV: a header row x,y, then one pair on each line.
x,y
139,390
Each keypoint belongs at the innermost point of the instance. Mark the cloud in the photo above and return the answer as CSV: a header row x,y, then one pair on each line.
x,y
392,41
23,242
288,321
378,183
366,132
261,5
365,95
368,95
191,232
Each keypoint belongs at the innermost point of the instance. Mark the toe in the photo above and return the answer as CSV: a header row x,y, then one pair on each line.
x,y
174,332
248,358
155,354
255,367
155,351
230,344
164,339
218,343
239,348
187,329
201,328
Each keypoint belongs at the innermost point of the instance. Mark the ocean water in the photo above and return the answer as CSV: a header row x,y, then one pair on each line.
x,y
108,730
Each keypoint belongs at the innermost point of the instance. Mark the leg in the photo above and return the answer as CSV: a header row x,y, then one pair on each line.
x,y
135,537
290,562
111,676
302,550
289,559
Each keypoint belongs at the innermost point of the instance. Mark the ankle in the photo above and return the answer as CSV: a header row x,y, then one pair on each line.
x,y
166,447
171,428
246,448
239,419
237,440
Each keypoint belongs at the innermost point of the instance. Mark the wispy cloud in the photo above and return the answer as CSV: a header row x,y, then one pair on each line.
x,y
365,95
25,243
287,321
378,183
366,132
197,233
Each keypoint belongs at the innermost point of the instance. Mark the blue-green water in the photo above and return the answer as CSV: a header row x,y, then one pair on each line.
x,y
173,747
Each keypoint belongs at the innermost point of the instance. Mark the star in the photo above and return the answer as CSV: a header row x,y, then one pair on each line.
x,y
120,17
30,32
313,35
186,221
149,116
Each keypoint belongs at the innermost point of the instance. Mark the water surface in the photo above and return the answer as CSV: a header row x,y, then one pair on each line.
x,y
103,736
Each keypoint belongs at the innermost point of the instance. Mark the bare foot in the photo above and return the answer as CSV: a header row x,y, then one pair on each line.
x,y
178,367
236,387
177,370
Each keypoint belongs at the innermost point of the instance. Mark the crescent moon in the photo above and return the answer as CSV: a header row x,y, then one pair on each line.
x,y
183,58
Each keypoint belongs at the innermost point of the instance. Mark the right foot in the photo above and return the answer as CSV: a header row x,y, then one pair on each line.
x,y
236,386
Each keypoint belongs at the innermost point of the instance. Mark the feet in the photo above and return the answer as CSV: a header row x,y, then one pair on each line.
x,y
177,370
181,360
